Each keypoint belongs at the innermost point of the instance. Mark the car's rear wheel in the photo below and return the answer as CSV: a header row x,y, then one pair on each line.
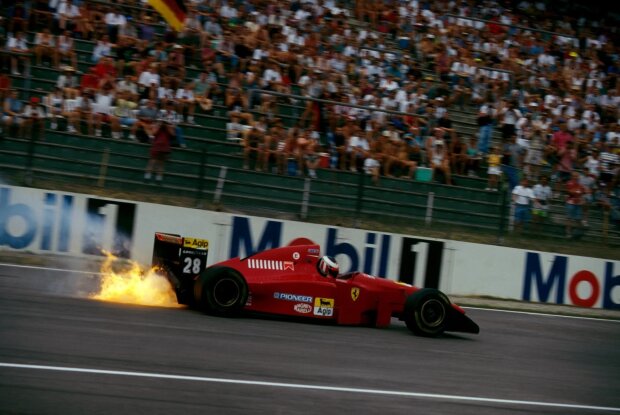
x,y
221,291
426,312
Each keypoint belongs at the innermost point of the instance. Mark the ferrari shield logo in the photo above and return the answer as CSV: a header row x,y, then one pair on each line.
x,y
355,293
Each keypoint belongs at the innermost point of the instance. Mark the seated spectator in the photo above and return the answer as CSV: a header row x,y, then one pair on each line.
x,y
358,150
102,109
254,147
311,158
185,101
66,14
129,86
174,66
84,110
148,78
20,52
439,161
124,113
68,82
275,141
54,105
106,72
102,48
45,47
12,113
34,119
147,115
65,49
234,129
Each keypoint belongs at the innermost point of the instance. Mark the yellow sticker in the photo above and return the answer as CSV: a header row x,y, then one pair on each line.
x,y
355,293
195,243
324,302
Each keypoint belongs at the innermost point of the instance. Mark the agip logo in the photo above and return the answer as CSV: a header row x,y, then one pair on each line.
x,y
585,287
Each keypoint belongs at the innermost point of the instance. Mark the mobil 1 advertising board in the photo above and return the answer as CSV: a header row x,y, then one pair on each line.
x,y
63,223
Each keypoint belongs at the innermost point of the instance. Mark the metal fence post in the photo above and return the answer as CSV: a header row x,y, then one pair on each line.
x,y
201,177
429,207
503,211
217,196
360,199
103,169
305,199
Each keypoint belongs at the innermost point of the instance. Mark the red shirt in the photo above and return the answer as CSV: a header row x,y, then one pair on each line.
x,y
576,191
560,138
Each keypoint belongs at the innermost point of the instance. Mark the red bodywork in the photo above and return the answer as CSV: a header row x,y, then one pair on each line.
x,y
285,281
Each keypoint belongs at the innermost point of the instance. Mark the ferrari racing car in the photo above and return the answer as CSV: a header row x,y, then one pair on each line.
x,y
297,281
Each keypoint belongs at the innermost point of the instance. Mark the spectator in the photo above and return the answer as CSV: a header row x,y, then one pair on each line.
x,y
186,102
485,125
169,116
440,161
68,81
161,146
66,14
85,110
20,52
145,125
124,114
65,49
542,193
115,23
13,113
34,119
102,48
358,150
523,197
512,161
494,172
574,206
54,104
102,110
45,46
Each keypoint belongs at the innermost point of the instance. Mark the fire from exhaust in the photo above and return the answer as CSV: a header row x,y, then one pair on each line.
x,y
133,284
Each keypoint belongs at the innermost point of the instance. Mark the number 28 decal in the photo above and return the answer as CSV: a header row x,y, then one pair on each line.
x,y
192,265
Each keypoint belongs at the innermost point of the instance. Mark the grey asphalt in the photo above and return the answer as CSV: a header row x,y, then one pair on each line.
x,y
522,358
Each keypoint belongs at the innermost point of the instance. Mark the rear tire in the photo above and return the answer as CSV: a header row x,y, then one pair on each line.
x,y
221,291
426,312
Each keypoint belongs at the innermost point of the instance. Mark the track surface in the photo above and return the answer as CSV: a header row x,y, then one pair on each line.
x,y
519,361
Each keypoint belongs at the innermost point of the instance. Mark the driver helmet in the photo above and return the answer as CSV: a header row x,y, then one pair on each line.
x,y
328,266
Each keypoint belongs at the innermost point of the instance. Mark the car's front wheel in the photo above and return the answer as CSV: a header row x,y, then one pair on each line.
x,y
426,312
221,291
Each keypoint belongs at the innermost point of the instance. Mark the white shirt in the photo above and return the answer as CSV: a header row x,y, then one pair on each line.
x,y
114,19
147,78
360,142
187,94
523,195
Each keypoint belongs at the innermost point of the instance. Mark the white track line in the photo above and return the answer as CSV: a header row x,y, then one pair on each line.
x,y
312,387
535,313
2,264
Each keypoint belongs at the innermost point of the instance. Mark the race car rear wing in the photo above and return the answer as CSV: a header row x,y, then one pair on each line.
x,y
182,260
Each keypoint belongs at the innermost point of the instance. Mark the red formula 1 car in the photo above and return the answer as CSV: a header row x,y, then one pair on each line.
x,y
296,281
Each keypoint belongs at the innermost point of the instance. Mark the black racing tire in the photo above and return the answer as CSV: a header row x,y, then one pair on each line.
x,y
427,312
221,291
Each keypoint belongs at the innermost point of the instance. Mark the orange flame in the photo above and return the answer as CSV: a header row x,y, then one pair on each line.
x,y
134,285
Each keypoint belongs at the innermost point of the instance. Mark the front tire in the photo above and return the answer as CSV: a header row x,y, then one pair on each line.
x,y
221,291
426,312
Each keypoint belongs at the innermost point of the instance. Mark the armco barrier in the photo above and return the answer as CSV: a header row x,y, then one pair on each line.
x,y
41,221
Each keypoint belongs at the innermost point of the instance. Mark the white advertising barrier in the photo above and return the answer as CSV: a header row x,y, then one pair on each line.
x,y
43,221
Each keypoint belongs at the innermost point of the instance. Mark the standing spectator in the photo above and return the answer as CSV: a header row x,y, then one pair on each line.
x,y
523,198
115,22
34,119
574,205
512,161
169,116
20,52
542,193
610,162
509,115
494,172
161,146
45,46
485,126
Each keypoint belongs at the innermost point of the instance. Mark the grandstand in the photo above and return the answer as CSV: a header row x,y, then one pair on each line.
x,y
211,169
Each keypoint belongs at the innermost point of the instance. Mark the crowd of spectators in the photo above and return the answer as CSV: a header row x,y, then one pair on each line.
x,y
384,91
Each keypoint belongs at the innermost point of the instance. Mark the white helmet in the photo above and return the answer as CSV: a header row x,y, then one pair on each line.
x,y
328,266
